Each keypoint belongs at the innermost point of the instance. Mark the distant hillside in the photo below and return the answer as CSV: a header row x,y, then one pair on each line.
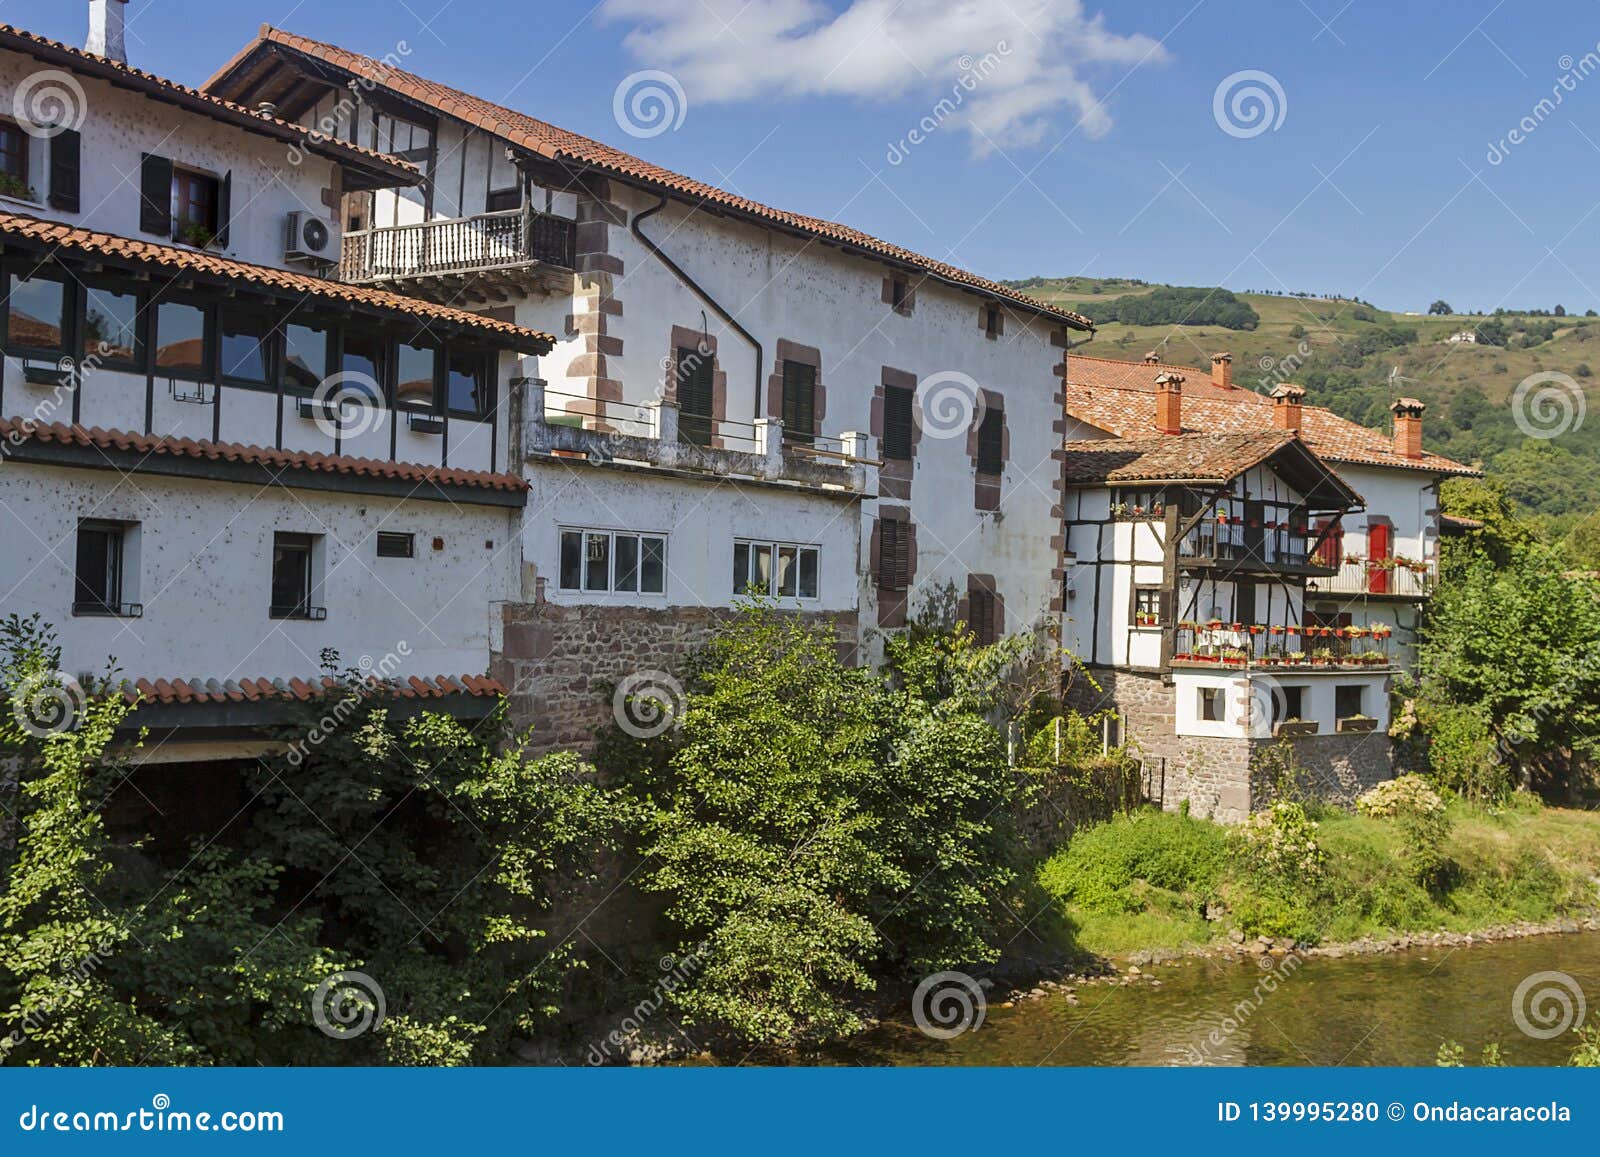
x,y
1356,358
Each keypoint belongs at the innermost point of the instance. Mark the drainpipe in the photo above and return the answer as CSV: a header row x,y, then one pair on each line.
x,y
699,292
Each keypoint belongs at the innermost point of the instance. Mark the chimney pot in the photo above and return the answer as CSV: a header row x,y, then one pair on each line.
x,y
1286,400
267,108
1153,358
1408,428
1169,403
107,19
1222,371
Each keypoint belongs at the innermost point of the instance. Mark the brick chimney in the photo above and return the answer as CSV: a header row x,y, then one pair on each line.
x,y
1153,358
1169,403
1408,428
106,21
1222,371
1286,399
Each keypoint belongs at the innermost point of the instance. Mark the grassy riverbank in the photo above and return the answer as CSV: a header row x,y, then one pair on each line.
x,y
1150,880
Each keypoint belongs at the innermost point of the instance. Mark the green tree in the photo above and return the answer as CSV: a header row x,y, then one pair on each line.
x,y
1440,308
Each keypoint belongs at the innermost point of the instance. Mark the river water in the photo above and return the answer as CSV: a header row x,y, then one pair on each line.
x,y
1391,1009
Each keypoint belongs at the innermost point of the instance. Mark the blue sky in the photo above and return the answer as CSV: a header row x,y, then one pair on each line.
x,y
1089,142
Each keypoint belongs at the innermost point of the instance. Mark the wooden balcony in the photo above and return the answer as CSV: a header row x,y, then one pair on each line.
x,y
1386,579
464,260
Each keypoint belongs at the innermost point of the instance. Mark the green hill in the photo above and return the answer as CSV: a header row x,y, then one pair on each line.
x,y
1355,359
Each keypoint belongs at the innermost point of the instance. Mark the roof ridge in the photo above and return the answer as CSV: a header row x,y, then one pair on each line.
x,y
95,60
555,142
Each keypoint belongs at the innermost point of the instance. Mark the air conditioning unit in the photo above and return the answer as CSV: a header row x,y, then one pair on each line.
x,y
309,237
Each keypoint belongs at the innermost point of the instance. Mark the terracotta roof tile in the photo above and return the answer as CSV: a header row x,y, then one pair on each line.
x,y
37,232
204,103
560,145
1181,457
22,429
295,688
1120,397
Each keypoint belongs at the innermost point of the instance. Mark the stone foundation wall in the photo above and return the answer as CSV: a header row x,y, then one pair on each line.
x,y
1217,776
557,660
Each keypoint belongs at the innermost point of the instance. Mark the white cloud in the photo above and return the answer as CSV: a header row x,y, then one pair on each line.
x,y
1033,54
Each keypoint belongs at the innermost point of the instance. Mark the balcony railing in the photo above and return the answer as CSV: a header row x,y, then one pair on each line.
x,y
1396,578
488,241
1223,646
1267,544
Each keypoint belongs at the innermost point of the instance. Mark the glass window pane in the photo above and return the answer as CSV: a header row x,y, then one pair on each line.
x,y
808,574
110,325
762,573
627,548
99,551
741,567
180,338
467,383
653,567
364,352
414,383
38,310
244,340
786,571
597,563
571,560
305,362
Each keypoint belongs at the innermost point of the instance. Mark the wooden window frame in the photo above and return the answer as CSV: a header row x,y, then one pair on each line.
x,y
272,348
184,181
982,612
208,339
19,268
487,366
303,609
23,153
1154,593
894,555
799,421
141,325
110,605
693,427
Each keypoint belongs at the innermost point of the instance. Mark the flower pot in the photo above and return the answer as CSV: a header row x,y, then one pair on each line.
x,y
1295,727
1351,726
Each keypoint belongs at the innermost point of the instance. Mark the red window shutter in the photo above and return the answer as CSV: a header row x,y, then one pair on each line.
x,y
1379,546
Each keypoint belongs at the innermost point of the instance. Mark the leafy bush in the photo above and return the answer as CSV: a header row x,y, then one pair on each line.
x,y
818,826
418,852
1405,794
1176,305
1108,867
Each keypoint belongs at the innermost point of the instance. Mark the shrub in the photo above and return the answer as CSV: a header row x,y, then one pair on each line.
x,y
1103,866
1406,794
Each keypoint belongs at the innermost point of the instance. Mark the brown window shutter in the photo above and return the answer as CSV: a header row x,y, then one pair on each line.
x,y
65,171
799,401
991,443
897,418
155,195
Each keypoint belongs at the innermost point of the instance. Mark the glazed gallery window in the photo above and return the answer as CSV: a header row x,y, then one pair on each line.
x,y
37,317
786,569
602,561
111,326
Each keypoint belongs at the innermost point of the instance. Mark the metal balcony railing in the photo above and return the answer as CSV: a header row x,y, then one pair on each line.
x,y
488,241
1396,578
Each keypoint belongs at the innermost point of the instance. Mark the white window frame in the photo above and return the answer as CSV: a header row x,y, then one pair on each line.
x,y
639,538
774,546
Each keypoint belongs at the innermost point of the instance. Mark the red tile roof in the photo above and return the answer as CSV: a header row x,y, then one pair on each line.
x,y
1120,397
559,145
53,235
1183,457
18,430
392,170
253,690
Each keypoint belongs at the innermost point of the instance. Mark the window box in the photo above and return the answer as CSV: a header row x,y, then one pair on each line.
x,y
1357,723
424,423
1295,728
108,610
308,614
319,409
44,373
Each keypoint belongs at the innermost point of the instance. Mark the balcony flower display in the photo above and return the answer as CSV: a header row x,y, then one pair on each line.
x,y
1256,628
